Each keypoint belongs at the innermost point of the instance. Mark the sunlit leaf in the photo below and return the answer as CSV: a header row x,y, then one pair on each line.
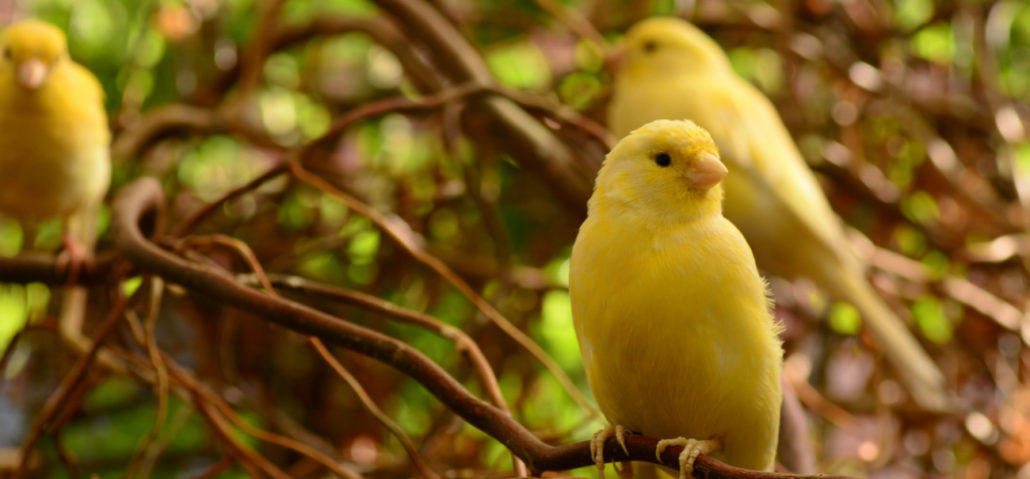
x,y
911,241
519,65
13,312
10,237
920,207
935,43
557,331
909,14
932,322
844,318
363,246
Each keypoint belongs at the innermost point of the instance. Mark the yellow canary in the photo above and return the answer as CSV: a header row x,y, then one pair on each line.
x,y
53,135
673,70
671,314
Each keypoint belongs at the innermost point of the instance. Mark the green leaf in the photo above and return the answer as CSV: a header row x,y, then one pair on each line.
x,y
844,319
363,246
935,43
13,312
557,331
909,14
130,285
11,237
920,207
521,65
932,322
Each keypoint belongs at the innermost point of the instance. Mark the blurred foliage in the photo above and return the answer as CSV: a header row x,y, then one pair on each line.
x,y
918,134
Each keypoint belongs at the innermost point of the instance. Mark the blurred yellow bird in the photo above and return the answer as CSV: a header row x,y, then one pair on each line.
x,y
673,70
53,135
671,314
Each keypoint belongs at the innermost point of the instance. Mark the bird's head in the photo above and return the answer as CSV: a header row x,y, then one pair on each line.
x,y
669,169
669,46
30,51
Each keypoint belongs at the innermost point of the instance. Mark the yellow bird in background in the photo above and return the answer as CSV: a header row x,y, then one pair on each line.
x,y
54,138
672,317
673,70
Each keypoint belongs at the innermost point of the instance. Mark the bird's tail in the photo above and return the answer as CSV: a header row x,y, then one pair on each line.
x,y
918,372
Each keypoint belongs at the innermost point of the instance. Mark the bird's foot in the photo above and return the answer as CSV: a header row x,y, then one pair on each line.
x,y
597,445
73,258
691,449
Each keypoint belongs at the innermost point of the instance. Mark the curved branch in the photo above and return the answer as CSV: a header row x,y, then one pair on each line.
x,y
465,344
41,268
526,139
141,197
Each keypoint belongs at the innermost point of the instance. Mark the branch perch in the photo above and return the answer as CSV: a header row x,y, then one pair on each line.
x,y
144,196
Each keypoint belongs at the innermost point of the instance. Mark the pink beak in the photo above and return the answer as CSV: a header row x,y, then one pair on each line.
x,y
707,172
32,73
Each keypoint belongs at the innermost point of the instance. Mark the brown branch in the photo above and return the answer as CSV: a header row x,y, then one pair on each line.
x,y
379,29
143,196
962,290
199,215
215,469
60,399
65,455
160,376
162,122
263,280
282,37
370,406
258,271
205,397
523,137
573,21
42,268
242,452
402,234
252,60
463,341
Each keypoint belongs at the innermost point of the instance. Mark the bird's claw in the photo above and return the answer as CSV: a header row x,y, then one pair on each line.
x,y
597,445
691,449
73,259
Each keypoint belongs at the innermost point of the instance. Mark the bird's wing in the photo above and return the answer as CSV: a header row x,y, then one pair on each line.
x,y
754,142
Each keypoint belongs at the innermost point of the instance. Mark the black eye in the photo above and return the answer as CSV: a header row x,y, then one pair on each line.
x,y
650,46
7,52
663,159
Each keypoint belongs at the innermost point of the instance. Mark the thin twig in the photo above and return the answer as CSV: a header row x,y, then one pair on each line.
x,y
160,371
60,398
191,222
463,341
145,195
248,255
215,469
960,289
240,450
407,239
205,398
370,406
581,26
67,458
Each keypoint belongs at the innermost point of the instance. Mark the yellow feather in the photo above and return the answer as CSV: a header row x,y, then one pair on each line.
x,y
54,138
670,311
673,70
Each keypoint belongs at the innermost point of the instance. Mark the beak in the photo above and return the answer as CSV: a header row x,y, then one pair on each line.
x,y
707,172
32,73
